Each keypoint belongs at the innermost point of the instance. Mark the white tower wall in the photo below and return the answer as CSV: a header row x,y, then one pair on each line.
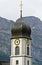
x,y
22,57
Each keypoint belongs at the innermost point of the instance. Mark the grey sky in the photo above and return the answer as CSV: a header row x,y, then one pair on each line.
x,y
10,8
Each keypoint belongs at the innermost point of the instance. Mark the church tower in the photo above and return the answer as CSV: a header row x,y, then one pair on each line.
x,y
20,43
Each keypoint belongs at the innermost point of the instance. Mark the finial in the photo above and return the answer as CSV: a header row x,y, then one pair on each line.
x,y
20,8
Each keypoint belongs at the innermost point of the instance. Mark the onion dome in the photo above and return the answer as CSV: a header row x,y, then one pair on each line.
x,y
21,29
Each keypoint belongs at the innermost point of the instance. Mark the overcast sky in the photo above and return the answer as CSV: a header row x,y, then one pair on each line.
x,y
10,8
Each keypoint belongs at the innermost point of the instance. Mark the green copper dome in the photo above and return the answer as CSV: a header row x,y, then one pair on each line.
x,y
21,29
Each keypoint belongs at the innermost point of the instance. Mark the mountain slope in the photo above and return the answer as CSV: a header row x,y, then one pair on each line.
x,y
36,26
5,35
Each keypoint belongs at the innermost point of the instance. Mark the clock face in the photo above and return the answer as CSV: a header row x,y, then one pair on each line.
x,y
17,41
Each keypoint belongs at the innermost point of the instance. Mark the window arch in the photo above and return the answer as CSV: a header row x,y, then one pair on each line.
x,y
17,62
28,62
17,50
28,50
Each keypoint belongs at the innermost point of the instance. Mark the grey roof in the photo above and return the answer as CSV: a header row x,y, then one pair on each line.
x,y
21,29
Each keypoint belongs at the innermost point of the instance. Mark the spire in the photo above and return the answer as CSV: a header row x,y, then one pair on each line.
x,y
20,8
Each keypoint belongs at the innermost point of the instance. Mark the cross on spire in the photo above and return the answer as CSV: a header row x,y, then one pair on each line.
x,y
20,8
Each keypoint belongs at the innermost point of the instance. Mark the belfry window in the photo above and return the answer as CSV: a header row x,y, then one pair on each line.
x,y
17,62
27,50
17,50
28,62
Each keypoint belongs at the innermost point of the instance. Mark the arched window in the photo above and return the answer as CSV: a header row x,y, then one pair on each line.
x,y
17,62
28,62
28,50
17,50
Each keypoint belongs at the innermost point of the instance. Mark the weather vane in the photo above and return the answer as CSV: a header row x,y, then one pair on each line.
x,y
20,8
